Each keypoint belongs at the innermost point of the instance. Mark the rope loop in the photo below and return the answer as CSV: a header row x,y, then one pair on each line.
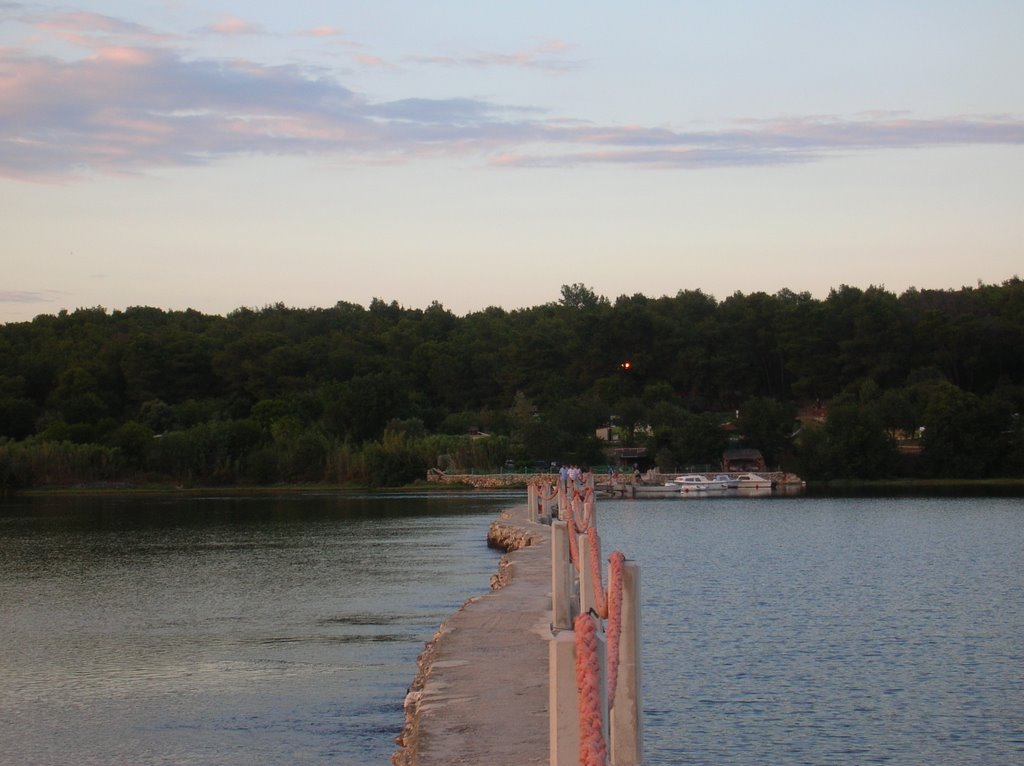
x,y
583,515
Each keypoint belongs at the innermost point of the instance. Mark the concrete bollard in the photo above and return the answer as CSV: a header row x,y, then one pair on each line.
x,y
586,578
563,705
626,745
563,699
561,577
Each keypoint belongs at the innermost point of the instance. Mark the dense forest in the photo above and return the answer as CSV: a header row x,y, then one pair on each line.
x,y
863,383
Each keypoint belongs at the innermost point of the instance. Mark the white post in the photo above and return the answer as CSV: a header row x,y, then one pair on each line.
x,y
531,500
586,578
626,745
561,577
563,703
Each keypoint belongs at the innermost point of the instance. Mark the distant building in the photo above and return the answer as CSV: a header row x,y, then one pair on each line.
x,y
736,460
627,457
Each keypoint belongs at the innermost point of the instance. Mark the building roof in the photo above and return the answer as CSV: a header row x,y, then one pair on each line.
x,y
742,454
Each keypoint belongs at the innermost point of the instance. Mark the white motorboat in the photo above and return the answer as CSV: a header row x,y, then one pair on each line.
x,y
752,481
693,482
723,482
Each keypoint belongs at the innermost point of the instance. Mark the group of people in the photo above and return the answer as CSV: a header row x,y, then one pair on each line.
x,y
567,472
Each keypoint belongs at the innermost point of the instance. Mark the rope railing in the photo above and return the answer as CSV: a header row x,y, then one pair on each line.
x,y
542,500
596,649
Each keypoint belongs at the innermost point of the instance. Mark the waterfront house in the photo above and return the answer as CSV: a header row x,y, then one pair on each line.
x,y
740,460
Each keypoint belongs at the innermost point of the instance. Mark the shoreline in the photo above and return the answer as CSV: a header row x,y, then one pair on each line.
x,y
837,487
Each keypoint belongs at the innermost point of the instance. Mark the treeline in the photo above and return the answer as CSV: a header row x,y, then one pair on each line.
x,y
376,395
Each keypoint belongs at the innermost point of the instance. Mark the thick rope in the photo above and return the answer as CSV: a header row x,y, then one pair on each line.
x,y
593,751
574,548
544,495
615,563
583,491
608,604
581,518
586,516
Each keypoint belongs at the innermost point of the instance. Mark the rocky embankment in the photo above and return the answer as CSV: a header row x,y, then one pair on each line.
x,y
488,480
507,534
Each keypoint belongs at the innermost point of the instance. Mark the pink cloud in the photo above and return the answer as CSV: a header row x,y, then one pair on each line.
x,y
86,21
128,107
375,62
233,26
90,30
125,56
326,31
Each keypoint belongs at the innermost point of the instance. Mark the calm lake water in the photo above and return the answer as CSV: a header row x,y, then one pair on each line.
x,y
267,630
284,630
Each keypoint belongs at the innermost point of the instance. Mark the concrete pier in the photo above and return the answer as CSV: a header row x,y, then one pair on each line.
x,y
481,693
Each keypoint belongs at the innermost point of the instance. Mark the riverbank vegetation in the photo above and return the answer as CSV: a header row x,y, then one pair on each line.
x,y
860,384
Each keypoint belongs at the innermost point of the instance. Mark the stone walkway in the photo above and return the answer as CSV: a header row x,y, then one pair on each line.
x,y
482,693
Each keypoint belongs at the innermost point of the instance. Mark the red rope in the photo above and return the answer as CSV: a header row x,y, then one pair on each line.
x,y
593,751
581,518
615,562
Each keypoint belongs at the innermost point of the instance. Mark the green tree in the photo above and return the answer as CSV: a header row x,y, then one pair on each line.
x,y
768,425
854,442
135,441
964,435
579,296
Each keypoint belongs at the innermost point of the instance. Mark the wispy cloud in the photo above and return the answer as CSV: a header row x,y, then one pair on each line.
x,y
547,57
374,62
320,32
233,26
133,103
90,30
762,142
29,296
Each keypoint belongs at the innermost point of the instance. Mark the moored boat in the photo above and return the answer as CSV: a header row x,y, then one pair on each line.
x,y
723,482
693,482
752,481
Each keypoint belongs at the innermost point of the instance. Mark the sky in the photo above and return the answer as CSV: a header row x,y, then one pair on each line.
x,y
215,155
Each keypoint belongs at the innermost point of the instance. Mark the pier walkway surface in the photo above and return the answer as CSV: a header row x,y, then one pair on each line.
x,y
481,694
